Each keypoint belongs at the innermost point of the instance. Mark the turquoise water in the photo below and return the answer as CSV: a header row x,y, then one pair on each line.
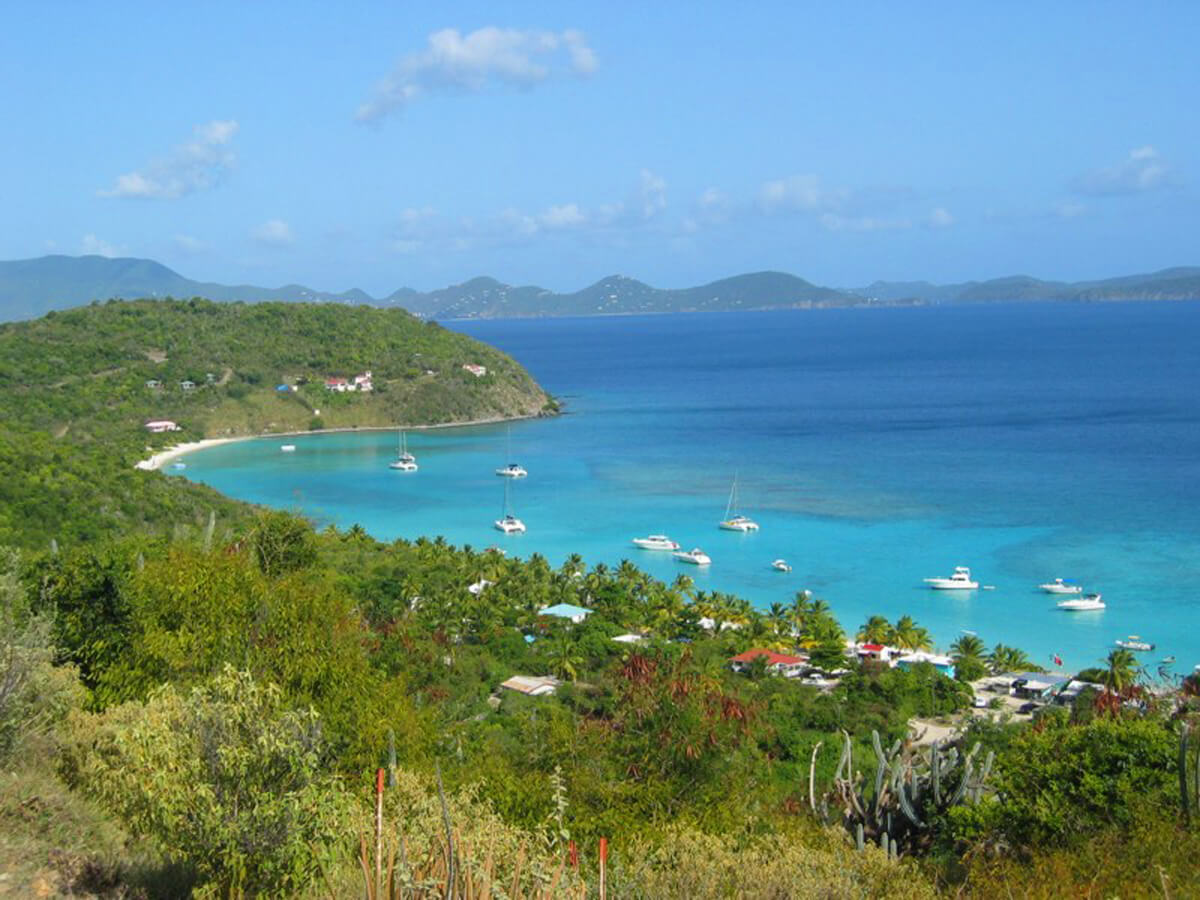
x,y
875,448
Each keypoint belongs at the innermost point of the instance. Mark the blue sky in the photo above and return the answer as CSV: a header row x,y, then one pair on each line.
x,y
381,146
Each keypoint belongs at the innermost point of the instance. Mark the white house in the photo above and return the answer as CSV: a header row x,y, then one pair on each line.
x,y
477,371
158,426
532,685
363,382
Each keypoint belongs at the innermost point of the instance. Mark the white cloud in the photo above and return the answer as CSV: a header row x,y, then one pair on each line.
x,y
94,246
835,222
653,191
194,165
274,233
456,62
799,193
940,217
189,244
1142,170
566,216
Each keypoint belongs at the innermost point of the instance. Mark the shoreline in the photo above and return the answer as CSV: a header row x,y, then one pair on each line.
x,y
160,458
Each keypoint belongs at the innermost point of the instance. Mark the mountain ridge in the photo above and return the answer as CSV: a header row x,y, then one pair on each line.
x,y
32,287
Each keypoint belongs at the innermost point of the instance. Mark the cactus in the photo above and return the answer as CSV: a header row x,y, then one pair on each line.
x,y
910,789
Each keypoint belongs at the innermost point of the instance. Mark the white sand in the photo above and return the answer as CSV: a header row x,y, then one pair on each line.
x,y
162,457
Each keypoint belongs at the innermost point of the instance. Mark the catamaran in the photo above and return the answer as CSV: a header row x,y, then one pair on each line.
x,y
508,523
512,470
404,461
733,521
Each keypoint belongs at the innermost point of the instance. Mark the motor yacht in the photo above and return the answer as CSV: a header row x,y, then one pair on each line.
x,y
1133,642
656,542
287,448
1082,604
696,557
512,470
781,565
1061,586
959,581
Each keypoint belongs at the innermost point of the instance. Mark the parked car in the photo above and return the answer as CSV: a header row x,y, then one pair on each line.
x,y
980,702
1027,707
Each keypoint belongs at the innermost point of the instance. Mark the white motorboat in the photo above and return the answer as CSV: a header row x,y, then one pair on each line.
x,y
959,581
508,523
781,565
696,557
512,470
1061,586
656,542
179,465
733,521
287,448
1133,642
1082,604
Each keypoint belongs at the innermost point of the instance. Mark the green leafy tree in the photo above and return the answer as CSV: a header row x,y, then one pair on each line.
x,y
968,653
283,543
226,779
1003,658
908,635
876,630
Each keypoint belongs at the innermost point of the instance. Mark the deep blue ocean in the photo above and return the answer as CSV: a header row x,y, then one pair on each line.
x,y
874,446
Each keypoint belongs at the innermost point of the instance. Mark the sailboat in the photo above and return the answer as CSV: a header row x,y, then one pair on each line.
x,y
512,470
508,523
404,461
733,521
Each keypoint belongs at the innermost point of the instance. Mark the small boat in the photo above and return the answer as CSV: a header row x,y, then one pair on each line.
x,y
959,581
1081,604
1133,642
733,521
179,465
287,448
1061,586
508,523
656,542
780,565
1167,660
404,461
696,557
512,470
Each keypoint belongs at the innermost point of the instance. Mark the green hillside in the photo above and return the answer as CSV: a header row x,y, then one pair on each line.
x,y
77,387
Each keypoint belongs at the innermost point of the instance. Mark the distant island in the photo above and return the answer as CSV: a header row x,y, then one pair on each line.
x,y
30,288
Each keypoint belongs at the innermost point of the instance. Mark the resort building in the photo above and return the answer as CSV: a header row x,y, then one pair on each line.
x,y
158,426
784,664
532,685
880,652
943,664
1038,685
574,614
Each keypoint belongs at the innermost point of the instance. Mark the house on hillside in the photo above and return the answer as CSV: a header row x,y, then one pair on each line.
x,y
477,371
532,685
1038,685
786,664
363,382
341,385
154,384
158,426
574,614
880,652
943,664
187,385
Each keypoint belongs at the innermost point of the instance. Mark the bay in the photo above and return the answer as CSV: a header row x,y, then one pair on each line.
x,y
875,447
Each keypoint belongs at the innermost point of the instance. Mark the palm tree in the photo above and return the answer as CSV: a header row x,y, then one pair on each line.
x,y
566,660
969,646
874,631
908,635
1007,659
1122,671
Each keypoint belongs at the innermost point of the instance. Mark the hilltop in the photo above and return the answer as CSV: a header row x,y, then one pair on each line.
x,y
77,388
30,288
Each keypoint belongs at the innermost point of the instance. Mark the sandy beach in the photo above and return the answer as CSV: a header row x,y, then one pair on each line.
x,y
162,457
